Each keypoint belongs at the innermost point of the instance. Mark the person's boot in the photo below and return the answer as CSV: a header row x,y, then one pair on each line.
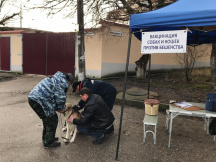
x,y
56,138
110,130
100,140
52,145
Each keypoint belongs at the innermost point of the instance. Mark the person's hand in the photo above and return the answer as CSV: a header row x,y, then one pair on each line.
x,y
70,120
75,107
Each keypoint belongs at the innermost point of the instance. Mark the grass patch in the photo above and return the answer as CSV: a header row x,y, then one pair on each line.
x,y
204,87
180,86
183,85
153,84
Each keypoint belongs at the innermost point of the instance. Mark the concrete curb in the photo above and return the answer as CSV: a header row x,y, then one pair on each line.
x,y
140,104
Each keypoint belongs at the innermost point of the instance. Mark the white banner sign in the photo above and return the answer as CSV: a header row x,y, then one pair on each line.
x,y
164,42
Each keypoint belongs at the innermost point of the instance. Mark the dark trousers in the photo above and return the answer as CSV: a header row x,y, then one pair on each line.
x,y
49,123
96,134
110,100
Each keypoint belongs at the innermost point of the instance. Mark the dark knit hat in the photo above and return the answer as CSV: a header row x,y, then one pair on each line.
x,y
71,78
75,84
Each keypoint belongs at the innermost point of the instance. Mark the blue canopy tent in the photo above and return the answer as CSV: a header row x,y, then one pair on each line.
x,y
197,16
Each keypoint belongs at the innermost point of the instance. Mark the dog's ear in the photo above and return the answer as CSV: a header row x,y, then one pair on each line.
x,y
68,105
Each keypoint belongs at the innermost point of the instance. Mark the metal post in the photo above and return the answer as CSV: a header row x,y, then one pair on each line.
x,y
124,89
21,17
81,54
149,75
76,55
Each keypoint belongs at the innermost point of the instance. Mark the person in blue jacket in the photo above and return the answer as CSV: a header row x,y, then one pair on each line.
x,y
104,89
47,97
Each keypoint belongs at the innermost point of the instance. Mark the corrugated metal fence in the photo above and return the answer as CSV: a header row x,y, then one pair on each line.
x,y
46,53
5,53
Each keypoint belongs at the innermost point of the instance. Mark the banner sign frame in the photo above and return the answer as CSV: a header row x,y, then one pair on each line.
x,y
174,41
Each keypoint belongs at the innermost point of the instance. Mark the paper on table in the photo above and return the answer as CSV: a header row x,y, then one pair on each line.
x,y
183,104
186,106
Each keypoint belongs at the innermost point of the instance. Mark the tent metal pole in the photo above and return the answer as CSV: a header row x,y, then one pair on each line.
x,y
149,75
124,89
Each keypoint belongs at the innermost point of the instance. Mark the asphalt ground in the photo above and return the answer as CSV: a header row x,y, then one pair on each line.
x,y
21,131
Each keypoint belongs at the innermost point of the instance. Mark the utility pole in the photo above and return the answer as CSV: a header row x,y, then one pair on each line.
x,y
21,18
81,41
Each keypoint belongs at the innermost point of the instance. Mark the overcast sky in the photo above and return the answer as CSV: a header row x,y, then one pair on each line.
x,y
37,19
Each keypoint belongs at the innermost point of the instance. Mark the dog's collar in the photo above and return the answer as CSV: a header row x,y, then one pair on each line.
x,y
67,110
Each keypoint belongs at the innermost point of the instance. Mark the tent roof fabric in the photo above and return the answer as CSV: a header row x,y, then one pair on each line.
x,y
180,15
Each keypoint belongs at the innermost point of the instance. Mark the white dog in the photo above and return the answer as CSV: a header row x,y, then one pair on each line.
x,y
70,127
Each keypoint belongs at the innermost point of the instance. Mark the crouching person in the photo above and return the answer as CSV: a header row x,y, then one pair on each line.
x,y
97,117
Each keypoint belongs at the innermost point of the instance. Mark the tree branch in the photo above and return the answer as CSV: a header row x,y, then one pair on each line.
x,y
7,18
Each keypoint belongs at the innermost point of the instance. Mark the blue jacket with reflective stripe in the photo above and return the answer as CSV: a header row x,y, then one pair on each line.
x,y
50,93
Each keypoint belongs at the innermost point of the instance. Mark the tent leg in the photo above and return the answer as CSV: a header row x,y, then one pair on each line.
x,y
124,89
149,75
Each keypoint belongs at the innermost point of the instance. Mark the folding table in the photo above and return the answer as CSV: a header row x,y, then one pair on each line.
x,y
175,111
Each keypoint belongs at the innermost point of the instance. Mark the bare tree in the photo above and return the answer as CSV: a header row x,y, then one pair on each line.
x,y
113,10
188,60
141,66
7,12
123,9
213,64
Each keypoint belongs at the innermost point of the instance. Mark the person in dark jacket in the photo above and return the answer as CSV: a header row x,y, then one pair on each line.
x,y
47,97
105,90
96,117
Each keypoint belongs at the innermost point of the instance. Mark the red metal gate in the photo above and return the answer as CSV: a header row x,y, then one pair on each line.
x,y
5,53
46,53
